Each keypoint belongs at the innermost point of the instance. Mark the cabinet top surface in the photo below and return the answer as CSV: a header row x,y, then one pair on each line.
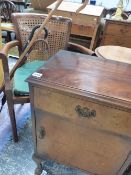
x,y
72,7
88,76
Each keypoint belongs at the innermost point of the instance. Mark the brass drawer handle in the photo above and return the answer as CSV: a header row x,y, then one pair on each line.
x,y
41,132
85,112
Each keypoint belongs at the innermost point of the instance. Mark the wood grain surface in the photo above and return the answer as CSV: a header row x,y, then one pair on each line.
x,y
102,80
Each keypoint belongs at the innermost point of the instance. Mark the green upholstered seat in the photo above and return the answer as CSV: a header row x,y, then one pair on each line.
x,y
20,87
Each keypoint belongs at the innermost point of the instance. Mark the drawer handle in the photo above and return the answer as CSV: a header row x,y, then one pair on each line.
x,y
85,112
41,132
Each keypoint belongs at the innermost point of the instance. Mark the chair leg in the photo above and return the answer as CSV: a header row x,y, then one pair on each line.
x,y
9,97
8,36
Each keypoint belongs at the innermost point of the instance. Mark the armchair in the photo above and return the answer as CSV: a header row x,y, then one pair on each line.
x,y
58,38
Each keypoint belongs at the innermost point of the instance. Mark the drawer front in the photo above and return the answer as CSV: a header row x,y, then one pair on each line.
x,y
72,108
80,147
118,29
82,30
116,40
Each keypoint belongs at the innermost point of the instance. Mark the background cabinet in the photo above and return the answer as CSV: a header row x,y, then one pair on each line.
x,y
117,33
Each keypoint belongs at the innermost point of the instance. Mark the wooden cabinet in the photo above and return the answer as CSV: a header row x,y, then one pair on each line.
x,y
85,22
78,119
117,33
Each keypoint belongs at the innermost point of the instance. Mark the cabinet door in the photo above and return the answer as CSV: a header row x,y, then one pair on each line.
x,y
88,149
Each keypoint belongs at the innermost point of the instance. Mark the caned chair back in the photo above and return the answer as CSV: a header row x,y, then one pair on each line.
x,y
59,29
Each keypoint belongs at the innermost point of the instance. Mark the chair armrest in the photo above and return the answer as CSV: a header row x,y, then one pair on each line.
x,y
80,48
4,57
8,46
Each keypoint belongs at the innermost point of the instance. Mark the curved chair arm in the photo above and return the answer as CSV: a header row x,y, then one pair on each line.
x,y
4,57
8,46
80,48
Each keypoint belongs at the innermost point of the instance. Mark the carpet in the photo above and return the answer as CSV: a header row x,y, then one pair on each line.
x,y
22,114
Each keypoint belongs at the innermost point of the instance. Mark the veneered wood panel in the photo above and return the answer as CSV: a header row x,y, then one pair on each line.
x,y
89,76
107,118
81,147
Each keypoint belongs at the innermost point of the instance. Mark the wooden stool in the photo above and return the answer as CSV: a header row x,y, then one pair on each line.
x,y
116,53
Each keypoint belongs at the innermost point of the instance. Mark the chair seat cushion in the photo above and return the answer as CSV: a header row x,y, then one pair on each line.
x,y
20,87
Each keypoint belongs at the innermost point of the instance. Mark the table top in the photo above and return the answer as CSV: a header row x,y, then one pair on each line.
x,y
116,53
87,76
7,26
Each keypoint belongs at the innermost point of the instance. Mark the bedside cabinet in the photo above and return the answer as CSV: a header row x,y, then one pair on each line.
x,y
81,113
117,33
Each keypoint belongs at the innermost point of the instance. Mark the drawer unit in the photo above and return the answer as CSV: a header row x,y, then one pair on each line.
x,y
97,115
82,30
117,33
80,146
85,22
78,119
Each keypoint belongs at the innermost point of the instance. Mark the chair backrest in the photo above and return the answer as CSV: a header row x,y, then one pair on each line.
x,y
6,9
59,29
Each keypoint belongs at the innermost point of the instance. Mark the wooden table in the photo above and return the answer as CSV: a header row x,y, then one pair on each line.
x,y
116,53
9,28
81,113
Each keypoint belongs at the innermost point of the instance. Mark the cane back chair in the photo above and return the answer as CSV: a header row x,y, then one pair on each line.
x,y
58,38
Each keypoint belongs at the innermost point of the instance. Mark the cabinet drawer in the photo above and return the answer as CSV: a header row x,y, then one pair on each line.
x,y
82,30
78,146
71,108
118,29
116,40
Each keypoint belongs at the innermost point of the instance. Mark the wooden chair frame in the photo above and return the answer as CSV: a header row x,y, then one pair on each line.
x,y
7,88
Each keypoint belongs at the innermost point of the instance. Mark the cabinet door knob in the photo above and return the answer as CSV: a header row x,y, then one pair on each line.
x,y
41,132
85,112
